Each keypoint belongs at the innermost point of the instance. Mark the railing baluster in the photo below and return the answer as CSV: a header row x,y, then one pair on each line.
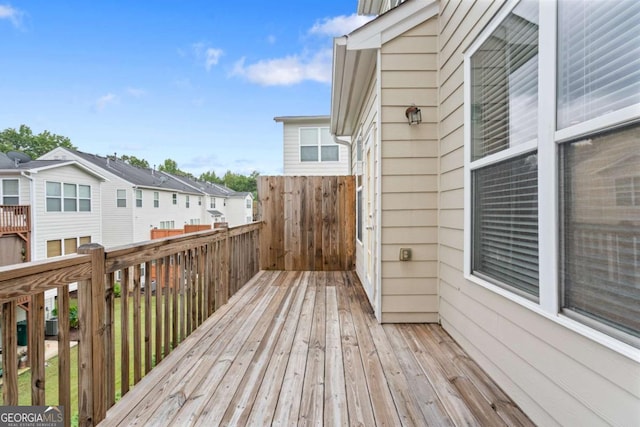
x,y
124,333
168,269
9,346
137,340
159,287
64,354
147,317
109,339
91,357
35,327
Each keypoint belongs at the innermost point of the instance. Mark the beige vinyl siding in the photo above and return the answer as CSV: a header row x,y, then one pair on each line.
x,y
409,178
64,225
291,153
557,376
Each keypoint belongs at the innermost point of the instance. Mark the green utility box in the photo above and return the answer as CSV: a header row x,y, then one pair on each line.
x,y
22,332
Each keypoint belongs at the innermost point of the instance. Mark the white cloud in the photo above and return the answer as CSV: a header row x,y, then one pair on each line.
x,y
212,57
287,71
271,39
102,102
297,68
339,25
209,55
12,14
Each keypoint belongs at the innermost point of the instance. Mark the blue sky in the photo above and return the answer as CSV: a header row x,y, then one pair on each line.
x,y
195,81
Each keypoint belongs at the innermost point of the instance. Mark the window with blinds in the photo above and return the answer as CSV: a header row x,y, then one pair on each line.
x,y
505,223
598,58
600,236
505,84
504,98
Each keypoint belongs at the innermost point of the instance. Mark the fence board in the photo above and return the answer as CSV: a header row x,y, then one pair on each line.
x,y
309,222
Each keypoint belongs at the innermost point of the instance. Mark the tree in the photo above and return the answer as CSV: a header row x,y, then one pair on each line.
x,y
211,177
242,183
134,161
171,166
35,146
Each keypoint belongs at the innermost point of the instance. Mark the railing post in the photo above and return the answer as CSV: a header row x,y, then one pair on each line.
x,y
9,346
91,357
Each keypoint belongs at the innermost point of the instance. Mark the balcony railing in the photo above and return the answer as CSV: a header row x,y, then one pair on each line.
x,y
15,219
196,274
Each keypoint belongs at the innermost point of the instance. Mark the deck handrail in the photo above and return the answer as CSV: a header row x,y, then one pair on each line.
x,y
15,218
194,275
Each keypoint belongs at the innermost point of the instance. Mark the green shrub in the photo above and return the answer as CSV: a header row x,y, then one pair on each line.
x,y
73,317
117,290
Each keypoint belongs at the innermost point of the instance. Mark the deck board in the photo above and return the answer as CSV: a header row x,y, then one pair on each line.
x,y
303,348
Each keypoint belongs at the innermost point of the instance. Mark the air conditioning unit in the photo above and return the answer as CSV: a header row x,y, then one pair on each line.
x,y
51,326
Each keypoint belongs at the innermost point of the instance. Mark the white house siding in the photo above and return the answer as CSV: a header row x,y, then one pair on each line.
x,y
117,223
557,376
148,217
291,153
237,211
64,225
410,176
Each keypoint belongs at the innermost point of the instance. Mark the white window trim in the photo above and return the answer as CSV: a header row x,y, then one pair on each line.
x,y
62,198
2,195
137,192
121,198
549,139
318,146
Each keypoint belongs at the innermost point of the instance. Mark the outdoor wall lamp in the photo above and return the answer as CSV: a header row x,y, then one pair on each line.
x,y
414,116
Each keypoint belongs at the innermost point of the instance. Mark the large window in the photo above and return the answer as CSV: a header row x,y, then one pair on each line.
x,y
316,145
10,192
554,215
65,246
503,164
67,197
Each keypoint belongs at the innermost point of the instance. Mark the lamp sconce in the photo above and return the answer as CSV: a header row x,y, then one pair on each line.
x,y
414,116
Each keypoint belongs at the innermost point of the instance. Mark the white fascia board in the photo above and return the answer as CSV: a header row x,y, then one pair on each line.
x,y
337,80
70,163
393,23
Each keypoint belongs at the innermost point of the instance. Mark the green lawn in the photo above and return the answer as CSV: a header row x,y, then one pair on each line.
x,y
51,379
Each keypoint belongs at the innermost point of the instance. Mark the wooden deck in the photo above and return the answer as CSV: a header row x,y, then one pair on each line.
x,y
294,348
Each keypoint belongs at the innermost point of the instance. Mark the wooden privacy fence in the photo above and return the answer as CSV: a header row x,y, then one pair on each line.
x,y
197,273
309,222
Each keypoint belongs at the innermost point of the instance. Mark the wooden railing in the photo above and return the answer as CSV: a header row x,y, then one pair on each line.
x,y
15,219
197,273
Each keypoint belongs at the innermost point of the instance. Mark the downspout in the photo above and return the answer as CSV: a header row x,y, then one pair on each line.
x,y
33,213
346,143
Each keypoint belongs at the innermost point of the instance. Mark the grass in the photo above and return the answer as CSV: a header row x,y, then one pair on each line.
x,y
51,370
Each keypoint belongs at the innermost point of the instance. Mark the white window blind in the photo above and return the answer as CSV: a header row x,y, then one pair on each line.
x,y
504,97
598,58
505,223
504,84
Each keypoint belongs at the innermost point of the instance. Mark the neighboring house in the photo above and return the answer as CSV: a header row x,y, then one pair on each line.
x,y
309,148
137,200
222,203
517,194
65,210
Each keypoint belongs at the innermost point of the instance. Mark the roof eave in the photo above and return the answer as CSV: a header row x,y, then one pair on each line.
x,y
355,57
